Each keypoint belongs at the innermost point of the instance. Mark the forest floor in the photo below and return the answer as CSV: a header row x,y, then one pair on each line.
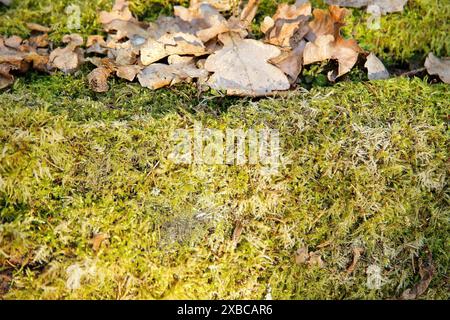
x,y
91,206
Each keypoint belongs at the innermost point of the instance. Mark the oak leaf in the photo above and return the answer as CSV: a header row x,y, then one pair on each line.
x,y
440,67
96,44
375,68
6,78
98,79
285,23
120,11
170,44
181,69
241,67
327,43
69,58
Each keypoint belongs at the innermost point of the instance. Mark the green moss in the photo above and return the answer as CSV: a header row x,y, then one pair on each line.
x,y
367,166
420,29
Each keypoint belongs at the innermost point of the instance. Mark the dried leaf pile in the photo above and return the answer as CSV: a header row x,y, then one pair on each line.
x,y
199,43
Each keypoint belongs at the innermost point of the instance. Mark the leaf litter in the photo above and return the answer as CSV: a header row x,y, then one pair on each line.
x,y
209,42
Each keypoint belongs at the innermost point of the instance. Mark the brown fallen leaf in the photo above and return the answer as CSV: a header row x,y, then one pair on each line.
x,y
69,58
315,259
171,44
249,12
120,11
13,42
426,272
126,29
157,76
38,28
39,62
39,41
221,5
326,22
18,55
327,42
97,240
98,80
164,25
6,78
5,283
303,256
237,233
440,67
128,72
291,61
285,23
375,68
123,53
386,6
96,44
357,251
160,75
241,67
204,19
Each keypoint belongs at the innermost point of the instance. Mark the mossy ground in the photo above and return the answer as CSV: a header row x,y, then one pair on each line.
x,y
366,164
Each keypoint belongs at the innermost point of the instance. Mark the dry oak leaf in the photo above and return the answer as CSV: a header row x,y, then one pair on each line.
x,y
97,240
303,256
6,78
96,44
120,11
123,53
126,29
386,6
13,42
206,22
426,272
39,62
39,41
357,251
12,57
69,58
249,12
98,79
291,61
170,44
285,23
38,28
375,68
221,5
241,67
160,75
204,19
127,72
440,67
172,25
327,42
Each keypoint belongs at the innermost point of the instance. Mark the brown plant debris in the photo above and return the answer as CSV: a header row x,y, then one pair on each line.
x,y
357,251
303,256
199,43
440,67
426,272
375,68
